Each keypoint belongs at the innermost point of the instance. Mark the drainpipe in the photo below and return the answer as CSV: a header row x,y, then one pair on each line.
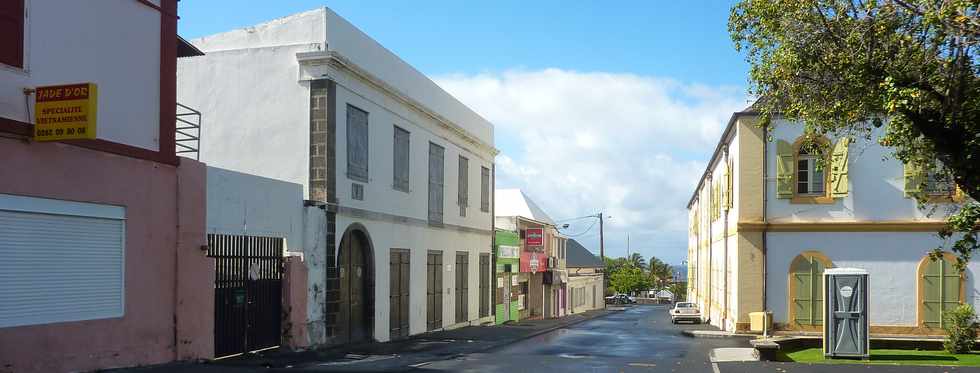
x,y
765,224
710,243
724,238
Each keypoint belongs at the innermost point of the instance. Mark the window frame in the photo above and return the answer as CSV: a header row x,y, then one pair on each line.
x,y
812,198
484,189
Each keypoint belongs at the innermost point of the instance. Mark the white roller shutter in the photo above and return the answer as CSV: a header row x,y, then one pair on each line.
x,y
59,261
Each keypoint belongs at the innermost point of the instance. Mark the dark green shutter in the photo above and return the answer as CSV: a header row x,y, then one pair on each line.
x,y
807,278
940,291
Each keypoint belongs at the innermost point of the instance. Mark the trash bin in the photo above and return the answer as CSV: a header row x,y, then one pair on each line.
x,y
759,321
846,326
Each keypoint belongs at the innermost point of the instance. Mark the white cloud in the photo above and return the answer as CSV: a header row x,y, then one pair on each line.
x,y
578,142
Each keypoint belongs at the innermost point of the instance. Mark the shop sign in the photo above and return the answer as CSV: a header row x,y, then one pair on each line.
x,y
64,112
508,252
534,237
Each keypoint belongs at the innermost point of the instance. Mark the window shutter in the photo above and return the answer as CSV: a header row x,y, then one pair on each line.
x,y
807,279
463,187
940,285
436,178
484,189
357,144
12,29
914,178
729,181
839,166
784,169
400,161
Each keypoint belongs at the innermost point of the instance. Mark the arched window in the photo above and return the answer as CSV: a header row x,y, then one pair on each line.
x,y
806,288
940,289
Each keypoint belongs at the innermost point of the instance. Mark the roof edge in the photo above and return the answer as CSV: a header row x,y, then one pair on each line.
x,y
714,156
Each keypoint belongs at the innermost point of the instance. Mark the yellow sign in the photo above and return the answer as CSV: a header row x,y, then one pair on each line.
x,y
65,112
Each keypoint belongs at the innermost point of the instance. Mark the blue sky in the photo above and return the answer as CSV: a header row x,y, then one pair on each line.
x,y
648,87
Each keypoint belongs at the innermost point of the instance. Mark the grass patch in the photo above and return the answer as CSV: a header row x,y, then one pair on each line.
x,y
886,357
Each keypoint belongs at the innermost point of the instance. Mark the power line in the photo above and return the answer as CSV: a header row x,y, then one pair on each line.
x,y
583,232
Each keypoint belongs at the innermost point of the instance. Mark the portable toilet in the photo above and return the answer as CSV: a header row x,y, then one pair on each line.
x,y
846,326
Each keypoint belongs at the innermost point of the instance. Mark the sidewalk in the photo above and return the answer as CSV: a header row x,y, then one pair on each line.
x,y
415,351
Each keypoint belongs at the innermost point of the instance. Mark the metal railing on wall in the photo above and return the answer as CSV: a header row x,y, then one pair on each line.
x,y
188,137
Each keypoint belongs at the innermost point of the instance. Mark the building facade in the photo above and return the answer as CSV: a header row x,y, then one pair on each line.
x,y
779,212
585,279
509,295
543,280
401,170
101,236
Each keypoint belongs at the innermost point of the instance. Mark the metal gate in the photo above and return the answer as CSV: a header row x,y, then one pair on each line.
x,y
247,292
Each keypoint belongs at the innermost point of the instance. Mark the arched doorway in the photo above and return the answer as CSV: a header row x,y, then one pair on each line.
x,y
356,267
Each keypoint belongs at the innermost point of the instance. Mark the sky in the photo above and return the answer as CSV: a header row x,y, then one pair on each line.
x,y
595,107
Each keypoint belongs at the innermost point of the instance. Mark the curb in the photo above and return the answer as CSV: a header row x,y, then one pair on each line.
x,y
710,334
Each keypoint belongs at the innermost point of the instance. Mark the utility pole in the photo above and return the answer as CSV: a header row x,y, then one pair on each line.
x,y
602,249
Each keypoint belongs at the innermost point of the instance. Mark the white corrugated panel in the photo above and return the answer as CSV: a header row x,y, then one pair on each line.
x,y
56,268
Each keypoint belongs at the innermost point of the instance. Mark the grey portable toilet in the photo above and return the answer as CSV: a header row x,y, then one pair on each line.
x,y
846,326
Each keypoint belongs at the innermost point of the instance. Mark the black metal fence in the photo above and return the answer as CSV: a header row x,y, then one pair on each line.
x,y
247,292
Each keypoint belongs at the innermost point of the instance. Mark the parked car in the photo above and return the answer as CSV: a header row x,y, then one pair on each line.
x,y
620,299
685,311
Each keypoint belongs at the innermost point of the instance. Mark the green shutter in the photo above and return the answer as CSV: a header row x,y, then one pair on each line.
x,y
784,169
914,178
839,166
807,277
940,291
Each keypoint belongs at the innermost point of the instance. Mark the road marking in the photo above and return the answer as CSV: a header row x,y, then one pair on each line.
x,y
714,367
645,365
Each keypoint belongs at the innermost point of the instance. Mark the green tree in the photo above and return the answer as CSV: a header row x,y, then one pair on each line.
x,y
629,279
846,68
661,273
679,289
636,260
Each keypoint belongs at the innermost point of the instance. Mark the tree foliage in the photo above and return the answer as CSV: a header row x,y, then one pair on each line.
x,y
629,279
661,273
847,67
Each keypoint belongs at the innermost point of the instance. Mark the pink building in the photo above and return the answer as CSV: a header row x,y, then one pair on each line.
x,y
101,238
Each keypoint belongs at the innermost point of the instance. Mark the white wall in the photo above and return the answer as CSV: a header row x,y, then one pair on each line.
x,y
875,193
247,204
385,236
891,258
255,114
114,44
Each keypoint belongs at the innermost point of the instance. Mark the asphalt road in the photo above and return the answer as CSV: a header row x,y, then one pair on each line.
x,y
640,339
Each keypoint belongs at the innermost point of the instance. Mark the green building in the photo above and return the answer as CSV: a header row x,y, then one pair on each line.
x,y
508,294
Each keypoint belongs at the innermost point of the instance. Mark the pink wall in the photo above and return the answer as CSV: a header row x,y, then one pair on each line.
x,y
294,303
148,190
195,271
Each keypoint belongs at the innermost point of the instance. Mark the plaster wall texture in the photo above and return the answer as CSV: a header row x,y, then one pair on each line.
x,y
592,286
891,259
255,114
875,192
419,240
145,334
64,44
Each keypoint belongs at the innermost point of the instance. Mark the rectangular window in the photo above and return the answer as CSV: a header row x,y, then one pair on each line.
x,y
437,170
357,191
63,261
938,182
809,176
357,144
12,29
484,189
401,160
463,197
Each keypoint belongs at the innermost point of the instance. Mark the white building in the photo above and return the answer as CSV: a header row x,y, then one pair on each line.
x,y
766,219
402,169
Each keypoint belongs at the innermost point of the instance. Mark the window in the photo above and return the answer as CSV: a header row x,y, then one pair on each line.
x,y
806,288
357,191
463,197
934,182
436,182
938,182
12,29
809,174
357,144
940,289
400,161
484,189
74,275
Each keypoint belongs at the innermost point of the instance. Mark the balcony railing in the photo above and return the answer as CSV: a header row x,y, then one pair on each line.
x,y
188,137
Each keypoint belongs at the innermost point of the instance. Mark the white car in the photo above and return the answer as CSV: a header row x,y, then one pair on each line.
x,y
685,311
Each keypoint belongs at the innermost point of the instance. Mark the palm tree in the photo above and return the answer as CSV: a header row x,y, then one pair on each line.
x,y
636,260
660,273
